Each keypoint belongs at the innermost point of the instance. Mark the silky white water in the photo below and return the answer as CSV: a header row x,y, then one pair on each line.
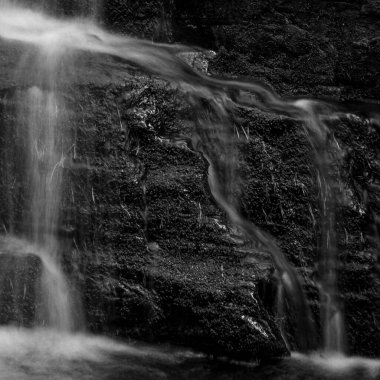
x,y
41,118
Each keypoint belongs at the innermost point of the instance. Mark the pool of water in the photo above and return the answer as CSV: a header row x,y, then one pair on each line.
x,y
42,354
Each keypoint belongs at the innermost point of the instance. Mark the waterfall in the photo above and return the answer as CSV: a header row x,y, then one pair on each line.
x,y
42,117
42,73
332,320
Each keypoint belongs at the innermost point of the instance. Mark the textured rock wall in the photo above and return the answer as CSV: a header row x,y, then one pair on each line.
x,y
19,282
325,49
162,264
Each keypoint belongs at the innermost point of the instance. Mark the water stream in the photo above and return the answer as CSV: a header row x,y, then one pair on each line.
x,y
49,44
37,354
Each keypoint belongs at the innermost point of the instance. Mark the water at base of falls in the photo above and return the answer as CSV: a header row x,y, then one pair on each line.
x,y
46,354
54,300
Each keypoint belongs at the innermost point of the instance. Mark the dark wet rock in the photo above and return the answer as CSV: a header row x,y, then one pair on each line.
x,y
171,267
224,322
161,263
198,60
371,8
19,280
149,19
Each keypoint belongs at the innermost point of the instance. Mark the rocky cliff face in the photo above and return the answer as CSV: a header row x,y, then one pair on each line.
x,y
157,259
325,49
162,264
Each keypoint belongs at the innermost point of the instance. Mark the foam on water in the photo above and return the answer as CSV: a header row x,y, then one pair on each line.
x,y
49,354
49,345
341,364
41,354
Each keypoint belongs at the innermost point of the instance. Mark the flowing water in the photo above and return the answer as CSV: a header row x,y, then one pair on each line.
x,y
46,67
47,354
41,118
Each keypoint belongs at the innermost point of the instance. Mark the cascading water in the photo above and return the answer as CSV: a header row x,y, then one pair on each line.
x,y
42,112
332,315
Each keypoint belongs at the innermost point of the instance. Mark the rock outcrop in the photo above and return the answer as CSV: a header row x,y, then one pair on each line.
x,y
20,276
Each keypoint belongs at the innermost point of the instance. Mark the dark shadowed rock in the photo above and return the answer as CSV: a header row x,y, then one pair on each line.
x,y
371,8
162,264
19,279
150,19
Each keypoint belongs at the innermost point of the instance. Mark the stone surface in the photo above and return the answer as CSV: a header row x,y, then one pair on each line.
x,y
170,270
19,284
371,8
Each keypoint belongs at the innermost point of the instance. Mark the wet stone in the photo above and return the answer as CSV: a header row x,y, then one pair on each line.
x,y
19,278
